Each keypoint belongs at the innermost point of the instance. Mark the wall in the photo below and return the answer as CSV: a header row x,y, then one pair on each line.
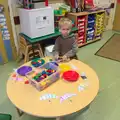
x,y
7,46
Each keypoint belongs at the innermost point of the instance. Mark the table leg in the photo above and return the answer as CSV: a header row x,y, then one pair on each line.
x,y
59,118
33,50
20,113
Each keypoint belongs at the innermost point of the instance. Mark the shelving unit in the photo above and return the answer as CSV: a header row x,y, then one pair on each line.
x,y
90,26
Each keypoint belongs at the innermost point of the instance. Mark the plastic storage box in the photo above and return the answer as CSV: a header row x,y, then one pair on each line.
x,y
44,83
37,22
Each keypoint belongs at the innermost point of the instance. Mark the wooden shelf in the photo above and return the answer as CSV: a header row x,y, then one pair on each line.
x,y
86,13
100,11
79,13
89,42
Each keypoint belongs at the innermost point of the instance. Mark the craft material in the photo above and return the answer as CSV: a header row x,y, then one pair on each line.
x,y
24,70
83,86
83,76
16,77
73,66
70,76
66,96
48,96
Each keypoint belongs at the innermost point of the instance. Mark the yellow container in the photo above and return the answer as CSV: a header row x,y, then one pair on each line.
x,y
64,67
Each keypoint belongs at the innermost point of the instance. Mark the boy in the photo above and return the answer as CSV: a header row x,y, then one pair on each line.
x,y
65,45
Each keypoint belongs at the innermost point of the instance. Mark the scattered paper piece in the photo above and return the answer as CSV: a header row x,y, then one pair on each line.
x,y
73,66
66,96
48,96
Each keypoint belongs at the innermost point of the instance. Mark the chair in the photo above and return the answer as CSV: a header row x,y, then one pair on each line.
x,y
26,49
5,116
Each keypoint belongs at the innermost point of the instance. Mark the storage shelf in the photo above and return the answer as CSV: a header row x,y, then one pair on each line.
x,y
86,15
92,41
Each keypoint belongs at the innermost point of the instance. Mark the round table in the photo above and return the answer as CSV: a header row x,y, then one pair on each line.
x,y
27,98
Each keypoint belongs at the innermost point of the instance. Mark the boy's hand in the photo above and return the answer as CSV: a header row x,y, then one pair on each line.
x,y
65,58
56,56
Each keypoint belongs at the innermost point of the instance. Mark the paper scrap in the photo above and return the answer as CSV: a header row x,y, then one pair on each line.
x,y
66,96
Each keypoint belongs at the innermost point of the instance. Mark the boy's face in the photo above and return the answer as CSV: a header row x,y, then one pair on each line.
x,y
65,30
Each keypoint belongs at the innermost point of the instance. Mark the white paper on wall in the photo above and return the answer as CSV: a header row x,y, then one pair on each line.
x,y
42,21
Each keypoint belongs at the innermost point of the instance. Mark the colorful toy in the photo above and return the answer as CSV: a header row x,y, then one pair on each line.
x,y
70,76
66,96
27,82
38,62
48,96
50,73
23,70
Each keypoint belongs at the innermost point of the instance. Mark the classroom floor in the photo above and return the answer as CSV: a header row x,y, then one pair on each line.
x,y
106,105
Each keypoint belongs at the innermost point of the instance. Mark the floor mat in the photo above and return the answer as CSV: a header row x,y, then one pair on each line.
x,y
111,49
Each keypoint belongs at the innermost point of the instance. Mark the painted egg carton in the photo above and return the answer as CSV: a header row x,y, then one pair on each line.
x,y
44,83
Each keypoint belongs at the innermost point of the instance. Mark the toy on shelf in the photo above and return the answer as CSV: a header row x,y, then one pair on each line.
x,y
28,4
48,74
24,70
70,76
60,12
38,62
76,5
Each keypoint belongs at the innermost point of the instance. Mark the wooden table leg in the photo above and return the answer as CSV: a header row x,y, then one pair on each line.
x,y
59,118
20,113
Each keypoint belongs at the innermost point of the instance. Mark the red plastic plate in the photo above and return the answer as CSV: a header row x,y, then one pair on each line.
x,y
70,76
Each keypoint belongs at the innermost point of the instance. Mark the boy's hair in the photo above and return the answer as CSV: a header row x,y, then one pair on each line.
x,y
65,21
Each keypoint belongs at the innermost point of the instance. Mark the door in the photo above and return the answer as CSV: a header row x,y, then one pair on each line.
x,y
116,24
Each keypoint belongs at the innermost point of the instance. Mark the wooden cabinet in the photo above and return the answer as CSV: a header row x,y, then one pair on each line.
x,y
90,26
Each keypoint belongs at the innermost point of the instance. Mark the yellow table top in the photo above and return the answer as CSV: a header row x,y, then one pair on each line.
x,y
27,98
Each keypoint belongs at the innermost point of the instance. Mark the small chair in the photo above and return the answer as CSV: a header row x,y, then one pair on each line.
x,y
5,116
26,49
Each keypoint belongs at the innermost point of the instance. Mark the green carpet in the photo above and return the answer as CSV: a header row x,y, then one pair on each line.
x,y
106,106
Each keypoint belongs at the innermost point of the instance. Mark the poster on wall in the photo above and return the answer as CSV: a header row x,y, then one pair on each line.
x,y
4,29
